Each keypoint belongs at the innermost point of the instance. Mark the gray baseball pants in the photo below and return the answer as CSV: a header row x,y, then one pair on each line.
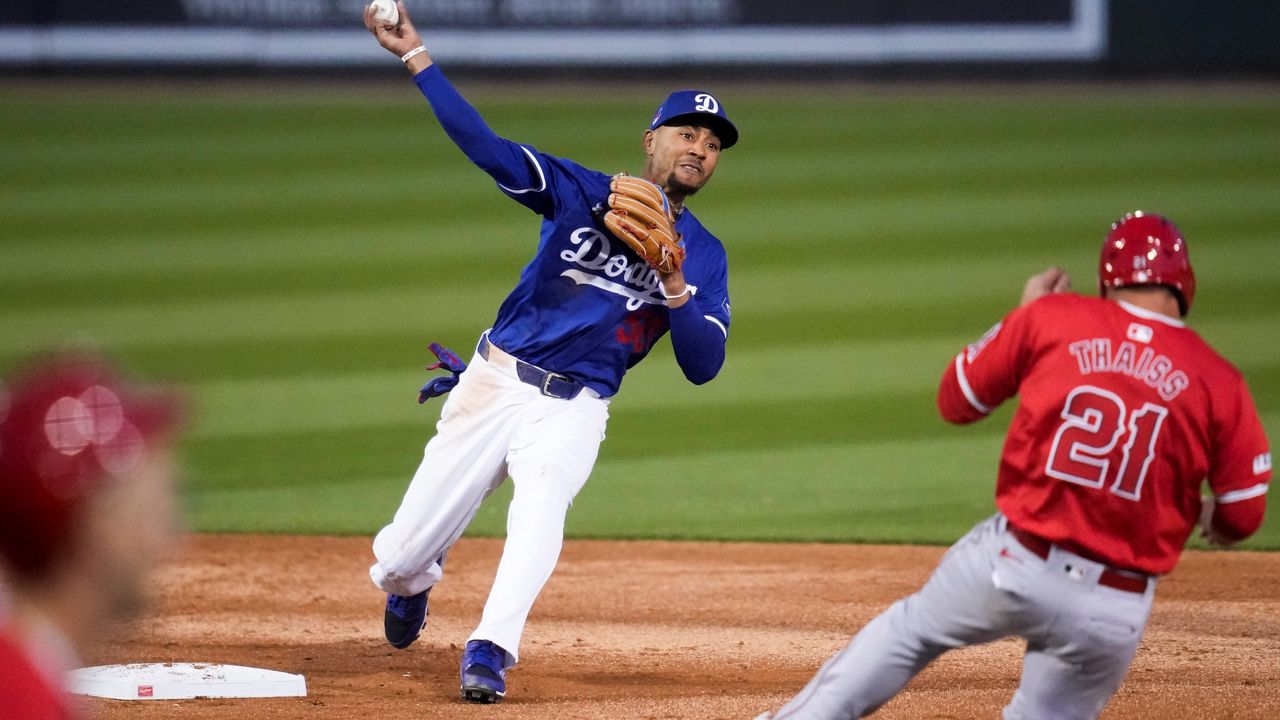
x,y
1081,636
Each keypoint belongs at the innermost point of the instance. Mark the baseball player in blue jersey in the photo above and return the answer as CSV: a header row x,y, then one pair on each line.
x,y
534,400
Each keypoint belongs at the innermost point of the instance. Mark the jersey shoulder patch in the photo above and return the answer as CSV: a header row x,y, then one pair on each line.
x,y
1262,464
975,348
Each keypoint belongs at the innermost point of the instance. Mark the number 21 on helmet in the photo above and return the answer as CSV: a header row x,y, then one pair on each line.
x,y
1147,249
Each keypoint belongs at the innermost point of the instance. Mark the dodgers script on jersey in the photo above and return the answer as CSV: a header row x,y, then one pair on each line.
x,y
586,305
1122,414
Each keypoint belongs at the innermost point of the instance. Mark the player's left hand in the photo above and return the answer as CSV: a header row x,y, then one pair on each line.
x,y
1053,280
1205,523
674,286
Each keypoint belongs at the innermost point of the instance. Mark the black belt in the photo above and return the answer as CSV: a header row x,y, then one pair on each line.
x,y
549,383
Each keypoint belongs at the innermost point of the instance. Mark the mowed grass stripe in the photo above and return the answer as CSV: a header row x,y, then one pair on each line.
x,y
304,120
835,370
1036,211
815,232
831,286
397,240
307,459
341,155
282,190
850,492
777,374
465,268
999,166
858,486
347,351
277,151
756,327
447,251
308,132
862,491
408,239
366,195
467,306
316,315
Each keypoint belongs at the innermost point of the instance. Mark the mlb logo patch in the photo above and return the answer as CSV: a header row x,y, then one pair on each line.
x,y
1140,333
1262,464
146,691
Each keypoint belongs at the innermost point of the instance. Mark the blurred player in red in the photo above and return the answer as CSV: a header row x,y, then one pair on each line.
x,y
86,509
1123,412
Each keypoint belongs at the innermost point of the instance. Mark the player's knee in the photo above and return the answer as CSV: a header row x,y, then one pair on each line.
x,y
547,501
549,490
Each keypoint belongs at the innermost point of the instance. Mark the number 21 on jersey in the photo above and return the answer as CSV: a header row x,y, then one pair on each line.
x,y
1095,421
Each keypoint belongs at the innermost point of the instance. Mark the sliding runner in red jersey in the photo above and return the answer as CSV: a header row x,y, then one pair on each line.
x,y
1123,412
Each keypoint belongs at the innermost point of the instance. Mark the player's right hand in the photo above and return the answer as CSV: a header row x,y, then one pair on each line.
x,y
399,39
1053,280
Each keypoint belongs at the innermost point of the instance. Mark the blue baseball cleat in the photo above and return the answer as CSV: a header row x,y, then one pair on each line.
x,y
483,672
404,618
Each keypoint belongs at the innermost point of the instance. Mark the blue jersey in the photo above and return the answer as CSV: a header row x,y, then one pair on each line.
x,y
586,305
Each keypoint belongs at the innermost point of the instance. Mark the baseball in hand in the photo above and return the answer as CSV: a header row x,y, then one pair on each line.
x,y
385,12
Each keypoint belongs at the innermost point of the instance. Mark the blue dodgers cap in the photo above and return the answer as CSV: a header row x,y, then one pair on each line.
x,y
698,104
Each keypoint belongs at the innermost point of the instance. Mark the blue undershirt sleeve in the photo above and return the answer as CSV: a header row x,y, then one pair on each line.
x,y
698,342
507,162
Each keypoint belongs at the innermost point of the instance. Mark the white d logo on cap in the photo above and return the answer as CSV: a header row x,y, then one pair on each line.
x,y
706,103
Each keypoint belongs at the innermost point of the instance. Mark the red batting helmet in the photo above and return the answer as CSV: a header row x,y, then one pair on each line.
x,y
67,427
1144,249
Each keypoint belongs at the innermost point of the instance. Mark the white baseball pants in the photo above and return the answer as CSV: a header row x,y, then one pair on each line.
x,y
1081,636
492,425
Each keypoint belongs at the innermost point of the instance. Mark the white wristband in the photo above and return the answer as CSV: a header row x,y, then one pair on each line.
x,y
688,290
413,53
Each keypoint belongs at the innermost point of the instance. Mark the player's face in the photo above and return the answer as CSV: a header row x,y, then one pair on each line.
x,y
682,158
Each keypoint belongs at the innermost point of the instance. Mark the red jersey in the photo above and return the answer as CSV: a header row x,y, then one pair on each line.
x,y
24,691
1122,414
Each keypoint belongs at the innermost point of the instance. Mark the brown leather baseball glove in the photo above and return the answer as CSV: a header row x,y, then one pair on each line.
x,y
640,215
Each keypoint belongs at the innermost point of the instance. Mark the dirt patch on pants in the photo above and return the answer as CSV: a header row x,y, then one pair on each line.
x,y
655,630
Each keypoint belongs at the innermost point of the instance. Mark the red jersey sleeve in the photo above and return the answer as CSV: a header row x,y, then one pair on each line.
x,y
1240,473
986,372
25,692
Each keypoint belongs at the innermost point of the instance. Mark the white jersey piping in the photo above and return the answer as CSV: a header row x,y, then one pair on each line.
x,y
1248,493
968,391
542,179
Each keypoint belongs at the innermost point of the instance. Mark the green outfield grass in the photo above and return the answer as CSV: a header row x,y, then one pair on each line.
x,y
287,256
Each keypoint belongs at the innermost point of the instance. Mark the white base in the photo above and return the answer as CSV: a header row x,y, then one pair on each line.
x,y
183,681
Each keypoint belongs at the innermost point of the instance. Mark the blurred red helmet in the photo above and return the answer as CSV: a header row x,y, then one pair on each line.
x,y
1145,249
67,427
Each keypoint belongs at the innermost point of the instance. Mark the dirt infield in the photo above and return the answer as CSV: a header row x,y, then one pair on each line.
x,y
655,630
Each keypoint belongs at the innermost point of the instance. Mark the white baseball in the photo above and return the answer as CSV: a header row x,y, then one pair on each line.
x,y
385,12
